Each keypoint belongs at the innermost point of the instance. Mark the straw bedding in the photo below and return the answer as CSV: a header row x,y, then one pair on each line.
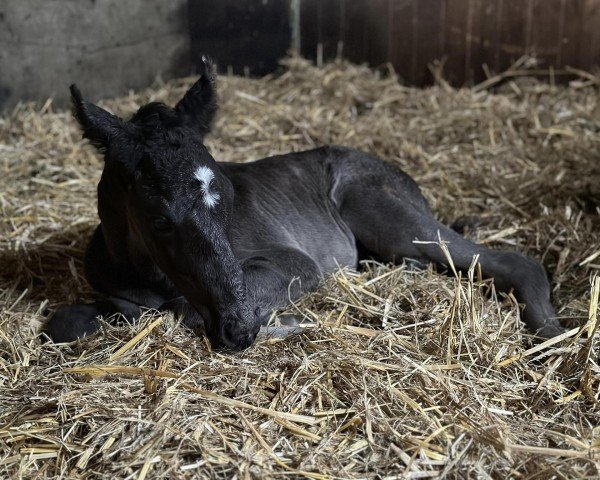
x,y
409,373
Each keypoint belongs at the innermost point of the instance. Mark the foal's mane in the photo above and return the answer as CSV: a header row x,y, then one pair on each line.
x,y
156,115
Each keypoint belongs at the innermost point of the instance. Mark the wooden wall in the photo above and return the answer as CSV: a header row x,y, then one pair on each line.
x,y
468,33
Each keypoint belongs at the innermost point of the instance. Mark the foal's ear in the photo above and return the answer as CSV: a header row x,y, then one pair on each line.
x,y
98,125
199,104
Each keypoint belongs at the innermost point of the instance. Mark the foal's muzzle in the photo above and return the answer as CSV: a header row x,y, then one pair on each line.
x,y
236,334
230,323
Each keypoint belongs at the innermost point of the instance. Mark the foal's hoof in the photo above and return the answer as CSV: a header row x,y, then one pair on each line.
x,y
280,332
541,320
72,322
550,330
532,288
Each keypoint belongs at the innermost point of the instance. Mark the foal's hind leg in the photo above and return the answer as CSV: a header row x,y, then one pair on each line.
x,y
386,216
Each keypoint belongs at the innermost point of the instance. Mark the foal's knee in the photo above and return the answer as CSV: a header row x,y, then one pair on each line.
x,y
72,322
77,321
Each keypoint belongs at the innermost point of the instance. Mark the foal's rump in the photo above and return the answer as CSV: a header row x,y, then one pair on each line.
x,y
351,168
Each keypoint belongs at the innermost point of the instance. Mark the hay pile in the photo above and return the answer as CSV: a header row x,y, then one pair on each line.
x,y
411,374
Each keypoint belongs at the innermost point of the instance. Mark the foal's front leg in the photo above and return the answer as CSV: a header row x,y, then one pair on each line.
x,y
193,319
274,277
126,293
71,322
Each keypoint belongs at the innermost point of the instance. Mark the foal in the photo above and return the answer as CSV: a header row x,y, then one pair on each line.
x,y
225,244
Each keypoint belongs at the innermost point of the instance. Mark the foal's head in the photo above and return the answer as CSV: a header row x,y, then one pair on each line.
x,y
177,201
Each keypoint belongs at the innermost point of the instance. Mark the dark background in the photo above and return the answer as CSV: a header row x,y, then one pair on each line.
x,y
112,46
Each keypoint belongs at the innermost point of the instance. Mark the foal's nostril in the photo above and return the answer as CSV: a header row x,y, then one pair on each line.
x,y
236,338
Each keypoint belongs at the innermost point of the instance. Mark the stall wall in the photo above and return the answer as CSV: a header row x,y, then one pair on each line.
x,y
106,46
468,33
111,46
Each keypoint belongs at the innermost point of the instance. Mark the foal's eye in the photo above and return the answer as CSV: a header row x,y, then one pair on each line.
x,y
162,225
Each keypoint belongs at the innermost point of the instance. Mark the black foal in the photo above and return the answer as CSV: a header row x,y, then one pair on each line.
x,y
225,244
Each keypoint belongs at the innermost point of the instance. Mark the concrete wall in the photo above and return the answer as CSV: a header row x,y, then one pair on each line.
x,y
105,46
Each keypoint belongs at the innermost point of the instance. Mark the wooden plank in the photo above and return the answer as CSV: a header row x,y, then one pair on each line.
x,y
560,34
527,6
321,28
377,34
309,28
401,38
456,33
365,31
571,33
428,32
476,34
330,26
470,16
355,31
589,52
545,33
513,32
247,35
484,36
471,33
